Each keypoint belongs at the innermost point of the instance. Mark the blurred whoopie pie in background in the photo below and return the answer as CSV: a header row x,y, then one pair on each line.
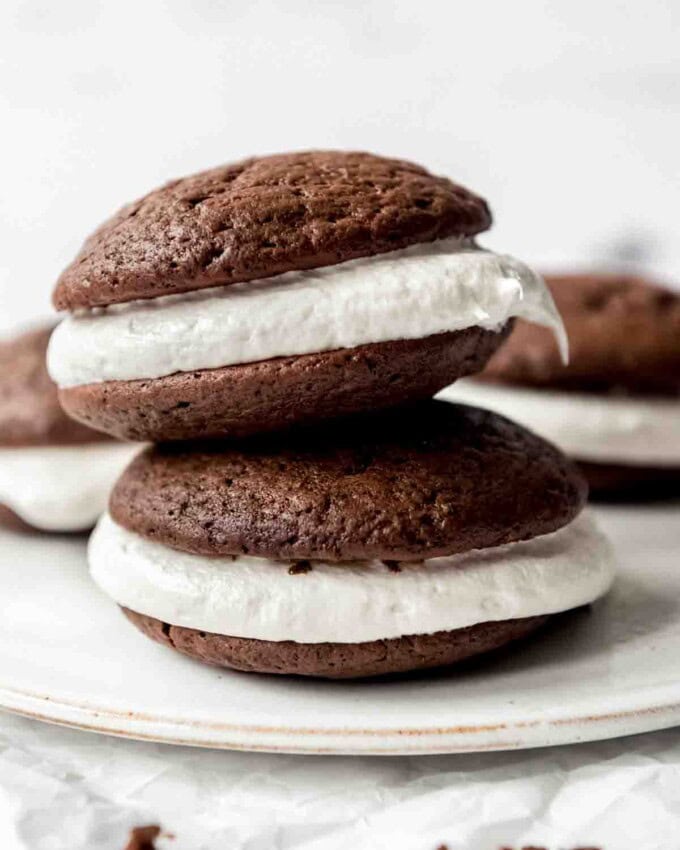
x,y
55,474
615,407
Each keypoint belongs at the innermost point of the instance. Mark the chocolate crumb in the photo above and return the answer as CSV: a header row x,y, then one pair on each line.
x,y
393,567
143,838
299,568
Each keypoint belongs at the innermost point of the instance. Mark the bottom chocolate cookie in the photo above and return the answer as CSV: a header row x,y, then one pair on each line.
x,y
337,660
12,521
612,482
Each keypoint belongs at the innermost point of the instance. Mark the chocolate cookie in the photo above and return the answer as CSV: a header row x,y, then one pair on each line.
x,y
428,480
624,337
621,483
10,519
262,217
274,395
30,413
337,660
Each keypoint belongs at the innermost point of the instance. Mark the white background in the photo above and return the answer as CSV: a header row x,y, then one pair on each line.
x,y
564,114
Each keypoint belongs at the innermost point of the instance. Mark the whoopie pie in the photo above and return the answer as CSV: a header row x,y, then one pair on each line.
x,y
55,474
404,540
282,290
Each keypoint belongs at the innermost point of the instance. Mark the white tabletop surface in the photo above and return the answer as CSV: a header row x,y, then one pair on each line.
x,y
60,788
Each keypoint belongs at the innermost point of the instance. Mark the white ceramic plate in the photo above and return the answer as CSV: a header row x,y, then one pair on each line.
x,y
67,655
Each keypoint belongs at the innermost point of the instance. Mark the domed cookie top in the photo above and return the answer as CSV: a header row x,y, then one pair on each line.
x,y
624,335
416,483
262,217
30,413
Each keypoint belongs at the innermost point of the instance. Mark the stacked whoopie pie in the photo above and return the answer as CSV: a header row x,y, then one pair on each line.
x,y
615,407
278,327
55,474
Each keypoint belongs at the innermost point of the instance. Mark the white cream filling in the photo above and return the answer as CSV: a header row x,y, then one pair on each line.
x,y
61,488
446,285
608,429
258,598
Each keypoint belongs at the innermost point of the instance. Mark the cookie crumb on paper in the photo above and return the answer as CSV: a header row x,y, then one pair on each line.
x,y
143,837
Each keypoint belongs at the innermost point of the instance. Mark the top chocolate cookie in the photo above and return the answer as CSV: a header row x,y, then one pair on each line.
x,y
30,413
624,336
262,217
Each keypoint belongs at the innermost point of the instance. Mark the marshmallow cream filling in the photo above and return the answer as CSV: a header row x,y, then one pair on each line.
x,y
589,427
61,488
430,288
258,598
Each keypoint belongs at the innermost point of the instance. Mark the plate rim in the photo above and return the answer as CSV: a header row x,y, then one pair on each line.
x,y
509,735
